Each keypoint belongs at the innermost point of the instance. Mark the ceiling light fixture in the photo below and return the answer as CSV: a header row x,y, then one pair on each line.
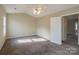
x,y
37,11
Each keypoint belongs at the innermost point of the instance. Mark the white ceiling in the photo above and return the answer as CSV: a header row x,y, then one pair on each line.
x,y
27,8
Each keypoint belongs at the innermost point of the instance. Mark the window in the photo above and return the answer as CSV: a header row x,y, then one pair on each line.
x,y
4,25
76,26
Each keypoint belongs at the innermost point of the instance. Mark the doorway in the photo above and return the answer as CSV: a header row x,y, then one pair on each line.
x,y
70,29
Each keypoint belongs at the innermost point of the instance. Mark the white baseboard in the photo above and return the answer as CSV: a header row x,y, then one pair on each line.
x,y
18,36
43,37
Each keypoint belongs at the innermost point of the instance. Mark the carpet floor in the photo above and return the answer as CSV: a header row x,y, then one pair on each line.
x,y
35,45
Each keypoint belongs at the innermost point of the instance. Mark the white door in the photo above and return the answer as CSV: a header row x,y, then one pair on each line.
x,y
56,30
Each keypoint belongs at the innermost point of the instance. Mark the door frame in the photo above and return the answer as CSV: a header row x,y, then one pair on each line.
x,y
78,23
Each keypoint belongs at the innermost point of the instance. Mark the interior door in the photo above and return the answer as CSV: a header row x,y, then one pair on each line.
x,y
56,30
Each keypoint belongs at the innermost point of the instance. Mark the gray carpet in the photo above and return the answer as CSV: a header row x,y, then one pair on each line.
x,y
43,47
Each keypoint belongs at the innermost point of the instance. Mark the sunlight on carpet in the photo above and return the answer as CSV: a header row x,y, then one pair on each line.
x,y
31,40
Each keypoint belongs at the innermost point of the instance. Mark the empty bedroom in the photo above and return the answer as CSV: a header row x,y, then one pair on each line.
x,y
39,29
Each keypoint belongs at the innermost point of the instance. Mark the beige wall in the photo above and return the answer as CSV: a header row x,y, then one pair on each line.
x,y
44,22
2,36
20,24
43,27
